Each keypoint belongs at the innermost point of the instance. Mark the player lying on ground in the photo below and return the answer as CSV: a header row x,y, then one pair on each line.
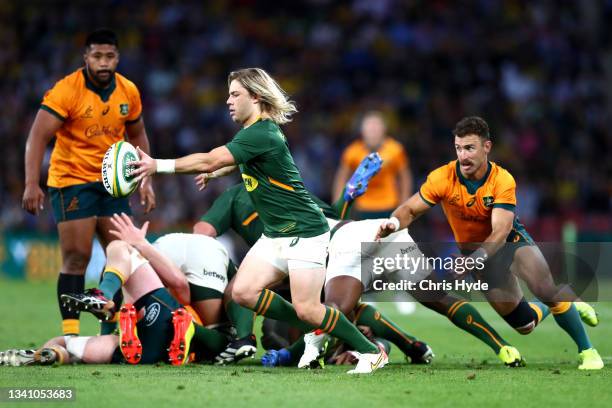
x,y
164,325
479,201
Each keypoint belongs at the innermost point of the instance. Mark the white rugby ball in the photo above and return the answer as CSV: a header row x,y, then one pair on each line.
x,y
117,170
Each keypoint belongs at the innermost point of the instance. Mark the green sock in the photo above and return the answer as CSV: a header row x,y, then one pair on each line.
x,y
367,315
273,306
336,324
241,317
569,320
466,317
343,207
111,283
207,341
107,327
296,350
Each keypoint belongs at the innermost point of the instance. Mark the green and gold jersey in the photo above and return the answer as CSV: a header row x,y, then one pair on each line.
x,y
234,210
274,183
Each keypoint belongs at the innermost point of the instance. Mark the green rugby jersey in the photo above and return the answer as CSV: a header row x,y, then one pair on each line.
x,y
233,209
274,183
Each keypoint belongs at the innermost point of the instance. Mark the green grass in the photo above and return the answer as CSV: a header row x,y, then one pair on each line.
x,y
465,373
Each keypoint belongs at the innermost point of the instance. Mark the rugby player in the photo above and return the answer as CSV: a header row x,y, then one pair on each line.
x,y
344,286
296,233
87,111
479,201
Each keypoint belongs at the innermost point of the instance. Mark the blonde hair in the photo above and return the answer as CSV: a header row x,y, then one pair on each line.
x,y
273,100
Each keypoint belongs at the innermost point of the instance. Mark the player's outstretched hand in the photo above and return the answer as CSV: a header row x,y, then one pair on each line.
x,y
125,230
202,180
144,167
387,227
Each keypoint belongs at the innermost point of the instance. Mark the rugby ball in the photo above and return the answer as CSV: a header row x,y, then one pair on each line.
x,y
117,169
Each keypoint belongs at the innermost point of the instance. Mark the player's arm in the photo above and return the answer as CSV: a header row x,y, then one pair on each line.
x,y
137,135
43,129
205,228
203,178
194,163
168,272
342,175
403,216
501,225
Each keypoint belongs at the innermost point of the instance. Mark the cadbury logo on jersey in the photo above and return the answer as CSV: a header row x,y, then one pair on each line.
x,y
97,130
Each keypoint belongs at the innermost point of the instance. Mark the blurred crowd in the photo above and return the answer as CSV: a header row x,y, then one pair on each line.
x,y
539,72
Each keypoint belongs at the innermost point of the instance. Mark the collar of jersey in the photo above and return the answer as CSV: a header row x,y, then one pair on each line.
x,y
103,93
472,185
259,119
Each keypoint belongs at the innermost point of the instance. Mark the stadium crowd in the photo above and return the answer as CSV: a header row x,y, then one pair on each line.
x,y
539,72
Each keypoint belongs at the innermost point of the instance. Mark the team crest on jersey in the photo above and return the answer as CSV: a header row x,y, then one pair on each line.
x,y
488,201
124,109
250,183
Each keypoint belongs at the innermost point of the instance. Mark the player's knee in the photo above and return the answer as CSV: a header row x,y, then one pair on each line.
x,y
523,318
243,295
306,311
118,249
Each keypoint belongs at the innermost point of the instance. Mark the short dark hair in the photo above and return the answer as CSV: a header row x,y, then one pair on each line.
x,y
102,36
472,125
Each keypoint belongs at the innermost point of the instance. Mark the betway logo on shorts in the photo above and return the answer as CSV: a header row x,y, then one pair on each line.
x,y
213,275
250,183
152,313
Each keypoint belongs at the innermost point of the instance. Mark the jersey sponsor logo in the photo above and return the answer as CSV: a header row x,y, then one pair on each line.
x,y
454,200
294,242
250,183
88,113
471,202
124,109
488,201
97,130
213,275
105,111
152,313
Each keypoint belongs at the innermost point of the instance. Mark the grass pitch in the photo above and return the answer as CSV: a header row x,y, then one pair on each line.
x,y
465,373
